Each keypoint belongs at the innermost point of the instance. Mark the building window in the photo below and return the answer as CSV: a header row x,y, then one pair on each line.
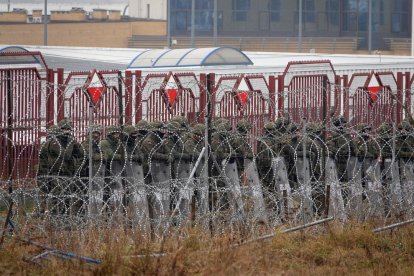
x,y
332,12
400,19
240,9
181,4
308,11
274,7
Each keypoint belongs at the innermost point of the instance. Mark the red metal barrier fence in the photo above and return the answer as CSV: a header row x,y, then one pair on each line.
x,y
42,98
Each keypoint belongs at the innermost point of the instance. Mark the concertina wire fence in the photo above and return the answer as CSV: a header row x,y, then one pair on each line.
x,y
154,178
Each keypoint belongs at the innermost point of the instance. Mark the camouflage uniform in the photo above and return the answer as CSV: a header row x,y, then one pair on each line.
x,y
225,155
157,153
309,174
341,147
243,147
113,152
64,163
96,187
137,204
267,150
177,133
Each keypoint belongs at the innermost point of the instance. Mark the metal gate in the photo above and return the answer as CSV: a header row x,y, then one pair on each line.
x,y
302,93
22,102
373,107
163,96
109,109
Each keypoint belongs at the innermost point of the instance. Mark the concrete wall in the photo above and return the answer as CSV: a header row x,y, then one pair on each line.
x,y
105,34
157,9
67,16
13,17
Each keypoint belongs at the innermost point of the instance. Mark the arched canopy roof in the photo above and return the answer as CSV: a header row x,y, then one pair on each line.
x,y
16,56
189,57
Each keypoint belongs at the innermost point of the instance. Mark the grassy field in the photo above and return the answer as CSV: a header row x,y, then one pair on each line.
x,y
322,250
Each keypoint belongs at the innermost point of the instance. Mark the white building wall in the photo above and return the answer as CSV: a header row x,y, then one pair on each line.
x,y
152,9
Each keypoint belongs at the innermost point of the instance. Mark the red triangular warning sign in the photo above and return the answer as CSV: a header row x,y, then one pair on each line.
x,y
373,92
95,87
243,97
95,93
171,94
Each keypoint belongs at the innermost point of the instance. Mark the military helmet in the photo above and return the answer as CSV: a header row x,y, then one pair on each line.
x,y
113,129
53,130
243,125
130,129
270,127
97,128
65,124
156,125
199,129
313,127
142,125
222,124
282,122
181,121
385,128
363,128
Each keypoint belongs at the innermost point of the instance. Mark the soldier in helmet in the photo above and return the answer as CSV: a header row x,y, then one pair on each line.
x,y
64,162
243,149
267,150
96,186
138,211
45,179
114,154
157,154
226,156
341,148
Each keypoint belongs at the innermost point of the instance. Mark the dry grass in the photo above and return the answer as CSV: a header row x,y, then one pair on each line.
x,y
321,251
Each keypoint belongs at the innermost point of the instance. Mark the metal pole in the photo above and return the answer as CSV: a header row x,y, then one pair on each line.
x,y
120,99
369,26
192,23
215,21
8,5
45,25
90,144
169,23
207,139
395,225
300,27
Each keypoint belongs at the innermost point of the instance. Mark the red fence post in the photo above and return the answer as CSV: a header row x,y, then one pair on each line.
x,y
128,97
50,98
400,88
408,92
138,96
280,96
213,93
60,95
203,98
272,98
345,97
